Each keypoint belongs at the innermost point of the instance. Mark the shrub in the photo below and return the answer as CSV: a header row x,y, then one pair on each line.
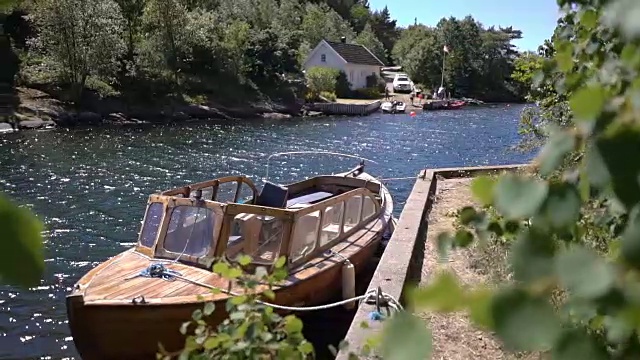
x,y
343,86
321,79
367,93
374,81
328,96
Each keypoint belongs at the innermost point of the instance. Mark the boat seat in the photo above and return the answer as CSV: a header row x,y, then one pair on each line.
x,y
309,198
273,195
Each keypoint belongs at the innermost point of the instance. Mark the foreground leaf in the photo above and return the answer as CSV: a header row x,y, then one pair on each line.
x,y
442,294
618,149
21,248
524,323
587,103
584,273
630,243
575,344
482,188
519,197
562,207
531,256
406,337
554,151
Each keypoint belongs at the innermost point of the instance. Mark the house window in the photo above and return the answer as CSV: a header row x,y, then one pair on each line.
x,y
323,58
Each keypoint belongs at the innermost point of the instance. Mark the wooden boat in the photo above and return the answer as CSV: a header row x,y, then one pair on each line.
x,y
444,105
114,313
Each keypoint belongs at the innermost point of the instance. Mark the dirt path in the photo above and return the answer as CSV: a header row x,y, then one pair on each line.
x,y
453,336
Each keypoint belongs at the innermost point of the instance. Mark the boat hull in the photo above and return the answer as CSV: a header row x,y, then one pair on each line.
x,y
388,108
107,320
135,331
443,105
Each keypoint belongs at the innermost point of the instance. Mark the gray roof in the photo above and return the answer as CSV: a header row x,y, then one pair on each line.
x,y
355,54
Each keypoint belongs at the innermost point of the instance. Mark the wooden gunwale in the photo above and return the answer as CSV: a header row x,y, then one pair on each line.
x,y
345,241
215,183
186,293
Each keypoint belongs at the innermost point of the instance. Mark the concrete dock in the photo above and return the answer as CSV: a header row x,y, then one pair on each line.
x,y
410,258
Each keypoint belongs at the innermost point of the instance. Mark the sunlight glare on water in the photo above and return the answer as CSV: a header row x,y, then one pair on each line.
x,y
90,186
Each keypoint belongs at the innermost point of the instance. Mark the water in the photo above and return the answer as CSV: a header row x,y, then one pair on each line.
x,y
90,186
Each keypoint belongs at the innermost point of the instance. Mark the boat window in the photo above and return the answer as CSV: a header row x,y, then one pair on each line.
x,y
190,231
304,236
331,221
207,193
245,194
368,207
226,192
152,222
258,236
352,212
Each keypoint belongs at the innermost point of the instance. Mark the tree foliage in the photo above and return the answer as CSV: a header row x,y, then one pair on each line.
x,y
150,48
525,67
368,39
572,226
79,43
479,63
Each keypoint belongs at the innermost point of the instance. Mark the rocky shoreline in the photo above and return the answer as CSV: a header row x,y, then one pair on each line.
x,y
36,109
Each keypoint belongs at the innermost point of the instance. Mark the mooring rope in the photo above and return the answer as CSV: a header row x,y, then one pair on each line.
x,y
398,178
373,296
266,177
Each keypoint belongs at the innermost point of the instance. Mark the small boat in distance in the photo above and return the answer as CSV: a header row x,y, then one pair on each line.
x,y
120,310
393,107
444,105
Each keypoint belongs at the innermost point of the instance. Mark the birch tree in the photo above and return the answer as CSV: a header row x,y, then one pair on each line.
x,y
81,38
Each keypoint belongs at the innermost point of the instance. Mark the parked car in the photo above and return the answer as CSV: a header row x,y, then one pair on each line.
x,y
402,83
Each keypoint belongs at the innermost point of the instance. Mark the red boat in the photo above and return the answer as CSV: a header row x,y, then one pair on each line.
x,y
444,105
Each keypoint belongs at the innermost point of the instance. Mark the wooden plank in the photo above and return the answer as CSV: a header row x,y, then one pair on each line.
x,y
140,285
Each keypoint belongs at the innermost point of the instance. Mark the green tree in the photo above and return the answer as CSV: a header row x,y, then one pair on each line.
x,y
385,29
479,63
526,66
369,40
166,21
321,22
360,15
81,37
132,12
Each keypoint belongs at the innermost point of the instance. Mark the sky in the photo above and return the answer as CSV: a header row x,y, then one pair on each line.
x,y
535,18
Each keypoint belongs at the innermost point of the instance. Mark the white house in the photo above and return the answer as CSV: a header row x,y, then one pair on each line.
x,y
355,60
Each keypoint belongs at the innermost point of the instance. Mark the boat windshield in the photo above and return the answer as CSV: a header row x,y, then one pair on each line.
x,y
190,231
151,225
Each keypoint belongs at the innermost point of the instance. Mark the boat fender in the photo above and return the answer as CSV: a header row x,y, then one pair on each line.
x,y
348,283
139,300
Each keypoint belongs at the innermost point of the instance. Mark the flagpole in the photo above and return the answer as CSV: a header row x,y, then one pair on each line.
x,y
444,55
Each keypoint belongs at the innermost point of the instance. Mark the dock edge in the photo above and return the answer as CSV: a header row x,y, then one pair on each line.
x,y
401,262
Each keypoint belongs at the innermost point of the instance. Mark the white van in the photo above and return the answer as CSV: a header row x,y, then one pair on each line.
x,y
402,83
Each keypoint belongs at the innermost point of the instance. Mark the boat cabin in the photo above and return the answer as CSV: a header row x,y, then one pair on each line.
x,y
228,217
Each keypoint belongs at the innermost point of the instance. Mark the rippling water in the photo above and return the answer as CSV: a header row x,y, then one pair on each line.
x,y
90,186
